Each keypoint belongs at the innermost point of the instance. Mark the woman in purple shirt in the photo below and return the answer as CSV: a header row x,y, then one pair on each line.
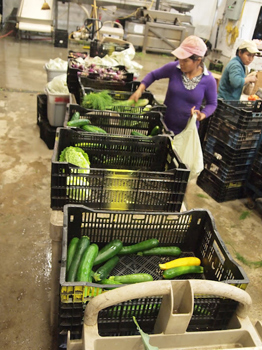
x,y
191,88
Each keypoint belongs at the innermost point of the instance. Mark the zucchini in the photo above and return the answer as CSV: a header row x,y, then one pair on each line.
x,y
82,244
139,247
181,270
155,131
86,264
93,128
71,251
108,251
132,278
165,251
104,271
77,123
75,116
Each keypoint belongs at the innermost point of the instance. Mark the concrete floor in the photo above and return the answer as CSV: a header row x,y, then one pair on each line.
x,y
25,244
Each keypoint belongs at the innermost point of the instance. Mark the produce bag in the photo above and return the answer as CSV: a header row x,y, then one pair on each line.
x,y
188,147
58,85
57,63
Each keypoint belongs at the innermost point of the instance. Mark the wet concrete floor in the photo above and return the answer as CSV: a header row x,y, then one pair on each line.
x,y
25,165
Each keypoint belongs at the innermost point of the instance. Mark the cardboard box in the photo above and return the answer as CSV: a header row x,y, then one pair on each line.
x,y
258,83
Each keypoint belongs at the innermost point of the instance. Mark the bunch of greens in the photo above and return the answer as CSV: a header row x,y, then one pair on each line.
x,y
97,100
102,100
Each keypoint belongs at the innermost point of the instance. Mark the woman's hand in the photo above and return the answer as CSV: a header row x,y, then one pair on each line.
x,y
135,96
250,79
200,116
138,93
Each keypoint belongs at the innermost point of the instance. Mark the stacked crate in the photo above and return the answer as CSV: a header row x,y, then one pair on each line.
x,y
254,179
47,132
131,173
133,191
77,80
231,141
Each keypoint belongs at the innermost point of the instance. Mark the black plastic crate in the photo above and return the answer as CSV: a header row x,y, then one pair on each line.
x,y
224,131
41,107
126,172
255,179
257,163
228,155
124,95
120,123
74,81
61,38
224,171
193,231
242,114
47,132
221,191
76,54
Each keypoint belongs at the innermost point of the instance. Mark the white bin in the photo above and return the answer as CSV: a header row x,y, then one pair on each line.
x,y
56,107
51,73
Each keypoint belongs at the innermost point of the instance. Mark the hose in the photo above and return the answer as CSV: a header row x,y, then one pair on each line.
x,y
5,35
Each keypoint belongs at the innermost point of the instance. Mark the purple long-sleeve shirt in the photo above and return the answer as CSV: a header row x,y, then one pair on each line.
x,y
179,100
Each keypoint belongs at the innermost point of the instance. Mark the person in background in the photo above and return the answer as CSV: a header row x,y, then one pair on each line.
x,y
234,76
190,84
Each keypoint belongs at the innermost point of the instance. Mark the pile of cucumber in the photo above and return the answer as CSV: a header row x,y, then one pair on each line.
x,y
85,124
87,263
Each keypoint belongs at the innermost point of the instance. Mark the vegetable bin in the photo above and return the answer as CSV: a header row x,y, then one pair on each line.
x,y
194,232
126,172
171,324
120,123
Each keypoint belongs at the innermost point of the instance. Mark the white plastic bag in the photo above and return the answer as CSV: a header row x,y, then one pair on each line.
x,y
58,84
188,147
57,63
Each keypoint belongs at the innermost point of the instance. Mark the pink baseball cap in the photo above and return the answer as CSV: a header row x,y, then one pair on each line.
x,y
192,45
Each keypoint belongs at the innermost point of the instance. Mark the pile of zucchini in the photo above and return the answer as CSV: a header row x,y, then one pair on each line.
x,y
86,263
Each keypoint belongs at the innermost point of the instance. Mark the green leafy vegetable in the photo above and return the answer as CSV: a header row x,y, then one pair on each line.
x,y
97,100
76,185
145,337
76,156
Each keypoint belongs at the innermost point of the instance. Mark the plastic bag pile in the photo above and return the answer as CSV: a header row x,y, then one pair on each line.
x,y
57,64
58,85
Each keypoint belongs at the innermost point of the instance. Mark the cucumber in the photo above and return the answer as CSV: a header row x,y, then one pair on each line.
x,y
108,251
86,264
139,247
181,270
155,131
93,128
75,116
82,244
165,251
104,271
136,133
132,278
109,281
71,251
78,122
